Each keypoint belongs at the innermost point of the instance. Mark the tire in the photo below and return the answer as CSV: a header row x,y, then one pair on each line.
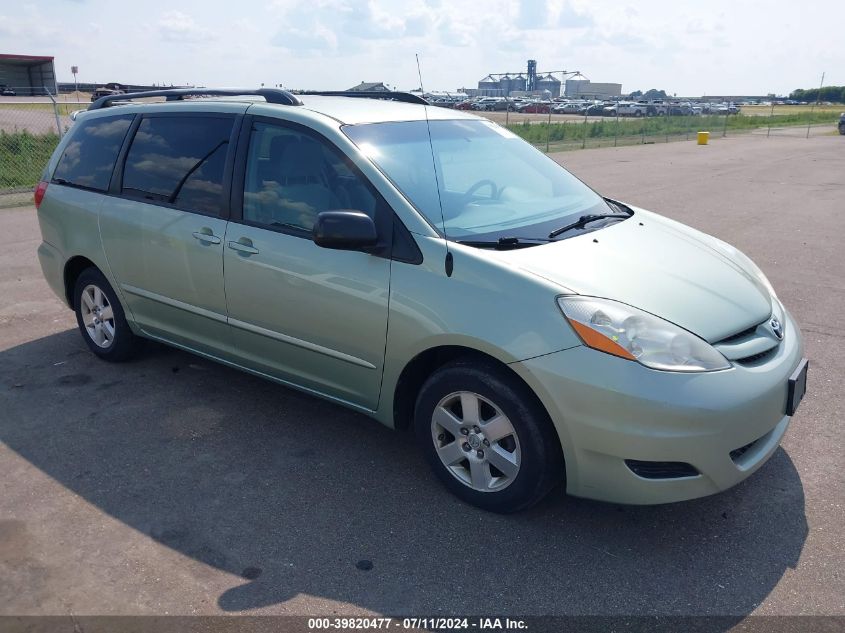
x,y
842,129
101,319
506,467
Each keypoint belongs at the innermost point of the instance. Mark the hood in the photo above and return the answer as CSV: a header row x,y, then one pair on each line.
x,y
656,265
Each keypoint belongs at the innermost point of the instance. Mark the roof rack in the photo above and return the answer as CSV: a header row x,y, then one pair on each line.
x,y
271,95
405,97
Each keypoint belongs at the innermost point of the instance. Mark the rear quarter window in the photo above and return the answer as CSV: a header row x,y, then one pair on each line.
x,y
89,157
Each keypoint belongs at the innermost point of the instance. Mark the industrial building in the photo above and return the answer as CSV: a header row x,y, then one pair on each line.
x,y
586,89
28,75
519,83
544,84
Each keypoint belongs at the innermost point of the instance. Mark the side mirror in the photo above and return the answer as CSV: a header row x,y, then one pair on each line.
x,y
344,230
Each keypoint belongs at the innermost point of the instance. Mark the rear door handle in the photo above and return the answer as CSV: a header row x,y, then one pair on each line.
x,y
206,237
244,246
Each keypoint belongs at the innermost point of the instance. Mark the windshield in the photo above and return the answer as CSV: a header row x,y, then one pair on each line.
x,y
490,183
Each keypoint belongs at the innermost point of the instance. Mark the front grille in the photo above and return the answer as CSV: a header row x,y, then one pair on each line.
x,y
748,346
757,357
740,335
661,470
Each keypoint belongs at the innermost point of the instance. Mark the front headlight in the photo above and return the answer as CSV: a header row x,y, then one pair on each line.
x,y
619,329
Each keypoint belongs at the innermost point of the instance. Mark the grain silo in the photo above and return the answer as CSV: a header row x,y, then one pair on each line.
x,y
489,87
550,83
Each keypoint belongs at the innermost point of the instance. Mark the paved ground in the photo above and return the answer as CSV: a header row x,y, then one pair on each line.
x,y
172,485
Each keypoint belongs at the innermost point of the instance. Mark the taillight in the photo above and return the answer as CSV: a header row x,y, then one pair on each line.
x,y
40,190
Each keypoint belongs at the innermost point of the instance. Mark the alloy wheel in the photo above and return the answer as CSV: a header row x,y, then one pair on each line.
x,y
475,441
97,316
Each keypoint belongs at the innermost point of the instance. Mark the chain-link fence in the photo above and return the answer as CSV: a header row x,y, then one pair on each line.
x,y
30,128
550,127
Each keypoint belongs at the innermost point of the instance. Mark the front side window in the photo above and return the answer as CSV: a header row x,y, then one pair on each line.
x,y
179,160
88,159
292,175
475,179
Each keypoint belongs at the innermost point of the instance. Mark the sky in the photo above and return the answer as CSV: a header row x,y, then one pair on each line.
x,y
688,48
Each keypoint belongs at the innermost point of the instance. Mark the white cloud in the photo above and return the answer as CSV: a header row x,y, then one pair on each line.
x,y
571,18
545,15
175,26
684,46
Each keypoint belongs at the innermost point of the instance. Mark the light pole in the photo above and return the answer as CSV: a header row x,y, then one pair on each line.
x,y
74,70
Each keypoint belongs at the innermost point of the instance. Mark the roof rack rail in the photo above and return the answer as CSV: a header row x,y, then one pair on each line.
x,y
271,95
405,97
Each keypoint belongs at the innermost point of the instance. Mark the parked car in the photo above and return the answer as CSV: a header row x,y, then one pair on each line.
x,y
570,107
594,109
842,123
656,108
6,91
679,109
724,108
631,108
491,104
539,333
104,92
535,107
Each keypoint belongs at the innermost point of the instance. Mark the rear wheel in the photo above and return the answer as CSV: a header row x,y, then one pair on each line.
x,y
842,128
486,436
101,319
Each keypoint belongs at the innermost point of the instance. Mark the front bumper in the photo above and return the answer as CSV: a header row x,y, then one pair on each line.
x,y
608,410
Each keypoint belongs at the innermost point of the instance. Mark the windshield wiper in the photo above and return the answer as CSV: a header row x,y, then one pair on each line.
x,y
586,219
505,243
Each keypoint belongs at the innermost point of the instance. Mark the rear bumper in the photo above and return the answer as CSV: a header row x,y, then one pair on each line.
x,y
52,266
608,410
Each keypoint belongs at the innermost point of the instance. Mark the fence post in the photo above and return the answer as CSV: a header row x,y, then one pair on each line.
x,y
725,129
813,109
616,129
55,112
584,139
771,114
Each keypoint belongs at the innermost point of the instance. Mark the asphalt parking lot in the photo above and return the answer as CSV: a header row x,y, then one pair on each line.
x,y
171,485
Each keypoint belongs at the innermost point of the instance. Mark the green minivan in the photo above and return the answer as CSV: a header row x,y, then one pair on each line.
x,y
430,269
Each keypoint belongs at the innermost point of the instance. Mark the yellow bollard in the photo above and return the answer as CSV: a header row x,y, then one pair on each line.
x,y
703,137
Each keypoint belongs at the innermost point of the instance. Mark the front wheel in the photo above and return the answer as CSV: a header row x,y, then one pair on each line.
x,y
101,319
842,129
486,437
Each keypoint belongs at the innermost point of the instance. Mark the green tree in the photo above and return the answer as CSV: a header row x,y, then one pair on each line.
x,y
835,94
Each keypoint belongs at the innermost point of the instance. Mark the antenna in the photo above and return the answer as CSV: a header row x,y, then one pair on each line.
x,y
449,263
419,73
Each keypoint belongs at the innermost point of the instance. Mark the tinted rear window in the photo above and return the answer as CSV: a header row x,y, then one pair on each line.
x,y
88,159
179,160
